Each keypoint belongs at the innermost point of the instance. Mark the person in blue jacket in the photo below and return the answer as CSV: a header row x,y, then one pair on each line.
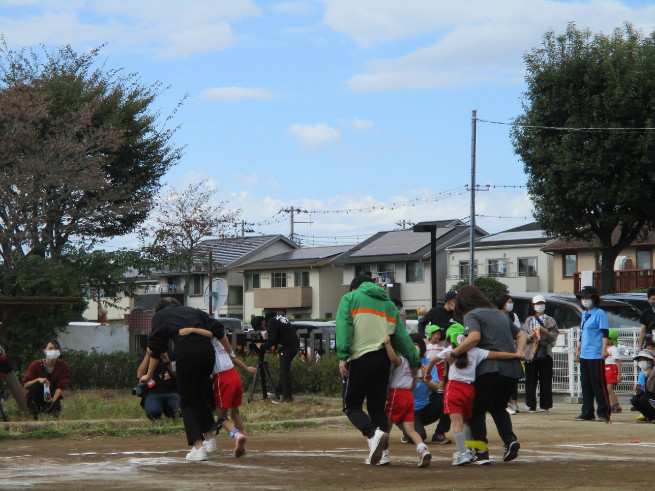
x,y
591,353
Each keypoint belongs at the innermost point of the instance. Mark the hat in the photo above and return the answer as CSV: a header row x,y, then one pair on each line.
x,y
453,332
587,291
432,329
614,336
450,295
538,298
644,353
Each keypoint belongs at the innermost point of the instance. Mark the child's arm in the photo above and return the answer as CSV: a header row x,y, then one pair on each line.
x,y
395,359
414,382
618,368
195,330
502,355
242,366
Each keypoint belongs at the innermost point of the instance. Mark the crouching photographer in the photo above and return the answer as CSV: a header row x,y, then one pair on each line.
x,y
159,396
281,334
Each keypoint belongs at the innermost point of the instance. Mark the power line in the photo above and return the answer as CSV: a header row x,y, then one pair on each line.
x,y
567,128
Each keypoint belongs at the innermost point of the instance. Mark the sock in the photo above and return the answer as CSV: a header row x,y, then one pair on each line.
x,y
420,447
468,434
460,440
234,433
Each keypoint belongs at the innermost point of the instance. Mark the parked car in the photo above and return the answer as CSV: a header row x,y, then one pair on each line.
x,y
234,325
567,310
639,300
305,329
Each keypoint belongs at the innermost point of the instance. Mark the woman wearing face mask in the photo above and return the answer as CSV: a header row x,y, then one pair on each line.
x,y
45,380
642,397
505,304
541,331
591,353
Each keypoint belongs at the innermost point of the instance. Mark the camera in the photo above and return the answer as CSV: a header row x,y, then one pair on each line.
x,y
139,390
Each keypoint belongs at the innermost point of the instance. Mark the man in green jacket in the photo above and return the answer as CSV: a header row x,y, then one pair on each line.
x,y
365,316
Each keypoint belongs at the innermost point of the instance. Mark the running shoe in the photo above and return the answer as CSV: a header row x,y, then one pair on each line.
x,y
377,444
424,458
404,439
209,445
240,445
481,458
580,417
642,419
384,460
510,411
602,419
441,438
197,455
461,458
515,407
511,451
540,410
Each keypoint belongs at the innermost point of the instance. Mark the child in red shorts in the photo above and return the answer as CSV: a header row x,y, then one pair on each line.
x,y
460,393
400,403
228,392
613,370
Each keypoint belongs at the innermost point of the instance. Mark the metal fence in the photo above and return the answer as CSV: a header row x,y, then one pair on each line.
x,y
566,371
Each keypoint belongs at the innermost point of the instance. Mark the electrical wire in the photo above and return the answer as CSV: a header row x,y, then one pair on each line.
x,y
567,128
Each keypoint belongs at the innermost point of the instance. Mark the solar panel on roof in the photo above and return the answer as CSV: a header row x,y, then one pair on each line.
x,y
398,242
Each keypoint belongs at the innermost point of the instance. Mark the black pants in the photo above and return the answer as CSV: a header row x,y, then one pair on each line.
x,y
540,371
194,368
286,357
492,391
594,386
37,404
425,416
644,402
368,377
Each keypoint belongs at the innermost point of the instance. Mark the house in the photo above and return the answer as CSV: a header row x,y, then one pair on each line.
x,y
403,257
633,267
226,254
300,284
514,257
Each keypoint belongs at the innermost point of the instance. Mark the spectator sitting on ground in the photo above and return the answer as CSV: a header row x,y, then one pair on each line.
x,y
159,395
642,398
45,381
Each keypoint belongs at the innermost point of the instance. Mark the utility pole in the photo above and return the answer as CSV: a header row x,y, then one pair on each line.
x,y
243,228
405,223
472,232
291,210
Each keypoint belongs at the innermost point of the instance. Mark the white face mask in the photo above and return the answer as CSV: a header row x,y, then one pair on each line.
x,y
52,354
539,309
586,303
643,364
509,307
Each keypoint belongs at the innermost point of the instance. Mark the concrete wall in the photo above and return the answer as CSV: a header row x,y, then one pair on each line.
x,y
105,338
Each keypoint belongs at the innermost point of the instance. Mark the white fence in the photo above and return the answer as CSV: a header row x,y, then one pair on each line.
x,y
566,371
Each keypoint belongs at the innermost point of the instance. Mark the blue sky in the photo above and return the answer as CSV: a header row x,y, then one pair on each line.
x,y
331,104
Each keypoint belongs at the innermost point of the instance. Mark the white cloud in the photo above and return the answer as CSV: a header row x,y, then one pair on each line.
x,y
314,137
469,43
292,8
163,28
359,124
219,94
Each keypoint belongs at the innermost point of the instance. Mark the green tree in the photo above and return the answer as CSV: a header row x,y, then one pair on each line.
x,y
586,138
82,153
488,285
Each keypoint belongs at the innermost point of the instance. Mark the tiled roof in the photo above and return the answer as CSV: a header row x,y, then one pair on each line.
x,y
529,234
306,256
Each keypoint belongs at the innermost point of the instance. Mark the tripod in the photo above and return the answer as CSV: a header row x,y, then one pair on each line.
x,y
263,374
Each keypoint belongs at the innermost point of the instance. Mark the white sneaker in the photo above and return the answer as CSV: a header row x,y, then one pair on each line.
x,y
209,445
240,445
197,455
424,458
461,458
377,445
510,411
385,460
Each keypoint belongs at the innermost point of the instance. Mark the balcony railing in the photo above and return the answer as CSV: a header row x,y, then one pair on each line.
x,y
290,297
625,280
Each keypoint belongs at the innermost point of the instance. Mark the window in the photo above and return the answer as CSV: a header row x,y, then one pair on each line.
x,y
279,280
643,260
387,271
464,270
252,281
362,269
570,264
301,278
235,295
414,272
527,266
195,288
497,267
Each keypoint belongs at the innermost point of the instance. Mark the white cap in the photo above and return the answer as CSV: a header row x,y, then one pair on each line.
x,y
538,298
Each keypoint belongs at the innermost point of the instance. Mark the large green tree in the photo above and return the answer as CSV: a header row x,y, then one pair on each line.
x,y
586,138
82,150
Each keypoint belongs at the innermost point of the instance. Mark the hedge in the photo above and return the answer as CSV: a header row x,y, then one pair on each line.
x,y
118,371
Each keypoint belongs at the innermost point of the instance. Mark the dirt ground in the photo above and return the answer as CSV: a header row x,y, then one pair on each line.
x,y
556,452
